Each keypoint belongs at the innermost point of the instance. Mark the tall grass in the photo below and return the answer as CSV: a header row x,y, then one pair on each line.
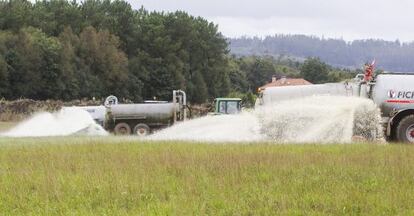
x,y
95,176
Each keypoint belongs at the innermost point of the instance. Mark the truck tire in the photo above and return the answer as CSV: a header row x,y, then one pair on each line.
x,y
142,130
405,129
122,129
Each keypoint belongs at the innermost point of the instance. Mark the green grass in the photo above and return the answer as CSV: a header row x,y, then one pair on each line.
x,y
113,176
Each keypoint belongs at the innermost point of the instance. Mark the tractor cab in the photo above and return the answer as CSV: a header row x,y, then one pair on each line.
x,y
227,106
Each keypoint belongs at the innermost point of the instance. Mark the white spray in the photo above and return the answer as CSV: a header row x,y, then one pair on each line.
x,y
315,119
219,128
321,119
68,121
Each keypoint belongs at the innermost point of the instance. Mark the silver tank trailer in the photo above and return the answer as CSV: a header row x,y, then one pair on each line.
x,y
159,112
394,95
142,119
393,92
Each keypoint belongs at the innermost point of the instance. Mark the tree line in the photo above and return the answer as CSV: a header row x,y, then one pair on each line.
x,y
390,55
68,50
64,50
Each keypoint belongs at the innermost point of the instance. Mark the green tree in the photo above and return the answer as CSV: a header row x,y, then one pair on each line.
x,y
198,89
53,16
260,72
4,78
104,64
24,60
33,58
68,49
315,71
15,14
69,65
238,77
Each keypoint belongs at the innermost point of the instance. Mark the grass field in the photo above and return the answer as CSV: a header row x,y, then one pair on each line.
x,y
113,176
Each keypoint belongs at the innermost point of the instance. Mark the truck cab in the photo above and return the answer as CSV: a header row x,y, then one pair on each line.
x,y
227,106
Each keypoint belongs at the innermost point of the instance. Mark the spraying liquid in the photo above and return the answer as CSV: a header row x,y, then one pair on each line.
x,y
68,121
321,119
225,128
315,119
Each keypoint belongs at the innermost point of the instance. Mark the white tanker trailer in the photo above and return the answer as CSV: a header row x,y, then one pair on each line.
x,y
276,94
393,93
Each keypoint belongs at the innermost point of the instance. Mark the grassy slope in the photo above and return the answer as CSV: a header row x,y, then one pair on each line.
x,y
117,177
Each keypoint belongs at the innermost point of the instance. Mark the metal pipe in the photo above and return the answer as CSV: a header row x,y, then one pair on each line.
x,y
175,105
184,105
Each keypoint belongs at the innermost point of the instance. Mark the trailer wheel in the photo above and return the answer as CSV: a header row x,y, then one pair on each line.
x,y
122,129
142,130
405,129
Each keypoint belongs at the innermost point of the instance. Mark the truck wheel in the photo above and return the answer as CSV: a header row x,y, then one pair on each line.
x,y
141,130
405,129
122,129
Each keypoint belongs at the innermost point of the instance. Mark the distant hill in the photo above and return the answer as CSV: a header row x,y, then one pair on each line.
x,y
390,55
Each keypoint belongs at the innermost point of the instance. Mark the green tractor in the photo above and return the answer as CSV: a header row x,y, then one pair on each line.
x,y
224,106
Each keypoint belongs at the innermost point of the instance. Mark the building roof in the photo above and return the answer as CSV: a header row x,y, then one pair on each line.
x,y
287,82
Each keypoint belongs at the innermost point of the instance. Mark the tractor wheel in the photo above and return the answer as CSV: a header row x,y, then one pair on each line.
x,y
142,130
122,129
405,130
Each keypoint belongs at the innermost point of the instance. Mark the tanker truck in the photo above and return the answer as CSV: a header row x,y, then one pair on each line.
x,y
139,119
393,93
142,119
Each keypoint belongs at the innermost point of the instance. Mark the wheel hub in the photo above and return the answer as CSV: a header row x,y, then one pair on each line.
x,y
410,133
123,130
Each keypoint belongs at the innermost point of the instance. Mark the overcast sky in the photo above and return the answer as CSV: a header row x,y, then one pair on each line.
x,y
347,19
